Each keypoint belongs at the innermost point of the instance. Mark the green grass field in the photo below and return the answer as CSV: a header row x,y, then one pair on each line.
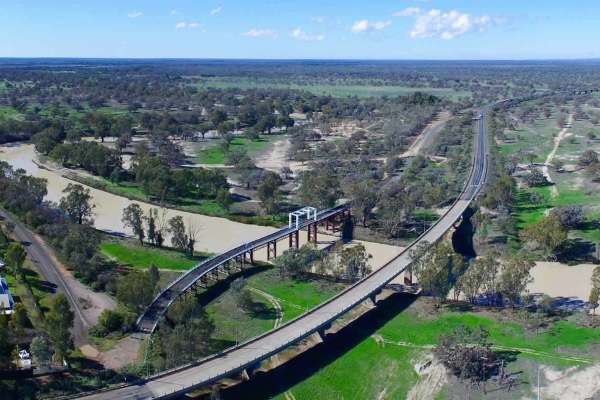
x,y
574,188
295,297
214,154
372,367
232,324
365,372
342,90
138,257
537,139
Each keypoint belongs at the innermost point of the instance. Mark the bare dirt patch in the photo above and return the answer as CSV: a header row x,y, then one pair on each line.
x,y
573,383
432,378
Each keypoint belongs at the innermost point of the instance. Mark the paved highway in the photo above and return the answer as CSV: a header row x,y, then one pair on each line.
x,y
251,353
39,254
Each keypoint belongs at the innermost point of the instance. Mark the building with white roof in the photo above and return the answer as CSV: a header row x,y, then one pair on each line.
x,y
6,300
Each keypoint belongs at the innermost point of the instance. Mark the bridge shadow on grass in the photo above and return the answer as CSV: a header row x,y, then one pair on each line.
x,y
217,289
268,384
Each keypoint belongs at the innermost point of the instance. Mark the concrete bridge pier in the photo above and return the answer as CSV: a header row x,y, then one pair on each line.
x,y
321,331
249,255
248,372
271,249
373,297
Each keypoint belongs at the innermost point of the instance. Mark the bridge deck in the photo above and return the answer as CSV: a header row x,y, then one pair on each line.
x,y
248,354
148,321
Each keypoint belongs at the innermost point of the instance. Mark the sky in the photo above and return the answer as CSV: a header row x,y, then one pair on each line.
x,y
302,29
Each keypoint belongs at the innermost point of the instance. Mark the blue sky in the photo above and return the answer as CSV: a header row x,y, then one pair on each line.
x,y
338,29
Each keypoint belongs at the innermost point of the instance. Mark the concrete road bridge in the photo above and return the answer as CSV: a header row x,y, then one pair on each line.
x,y
249,355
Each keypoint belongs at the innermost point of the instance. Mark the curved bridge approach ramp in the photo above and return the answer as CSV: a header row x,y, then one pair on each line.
x,y
250,354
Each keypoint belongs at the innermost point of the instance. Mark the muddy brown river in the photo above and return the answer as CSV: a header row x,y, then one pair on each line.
x,y
215,235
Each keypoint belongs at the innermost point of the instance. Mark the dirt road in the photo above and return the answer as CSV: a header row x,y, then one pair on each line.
x,y
426,137
557,140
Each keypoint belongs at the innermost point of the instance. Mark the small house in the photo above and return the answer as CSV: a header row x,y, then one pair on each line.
x,y
6,300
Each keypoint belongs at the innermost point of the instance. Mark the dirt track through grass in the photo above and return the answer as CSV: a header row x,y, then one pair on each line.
x,y
557,140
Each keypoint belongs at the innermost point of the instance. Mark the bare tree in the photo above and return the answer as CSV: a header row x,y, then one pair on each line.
x,y
192,235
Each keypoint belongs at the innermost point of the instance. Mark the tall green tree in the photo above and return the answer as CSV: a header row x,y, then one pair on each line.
x,y
269,192
77,204
133,217
438,269
547,234
355,259
179,238
40,351
515,275
59,321
15,257
6,346
135,290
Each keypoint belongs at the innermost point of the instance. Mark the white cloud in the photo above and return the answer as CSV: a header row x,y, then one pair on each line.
x,y
216,11
256,33
299,34
407,12
445,25
365,25
184,25
135,14
318,19
174,12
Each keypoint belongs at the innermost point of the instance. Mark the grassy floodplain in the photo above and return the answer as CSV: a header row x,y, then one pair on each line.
x,y
214,154
573,188
138,257
390,342
341,90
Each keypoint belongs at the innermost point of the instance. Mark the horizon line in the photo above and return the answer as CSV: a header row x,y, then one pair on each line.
x,y
297,59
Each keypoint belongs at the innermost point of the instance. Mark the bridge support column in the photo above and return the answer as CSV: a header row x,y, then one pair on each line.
x,y
294,239
249,255
271,250
328,224
373,297
248,372
312,232
241,260
408,280
321,331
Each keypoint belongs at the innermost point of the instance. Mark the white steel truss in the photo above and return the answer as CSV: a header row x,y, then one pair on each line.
x,y
294,217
